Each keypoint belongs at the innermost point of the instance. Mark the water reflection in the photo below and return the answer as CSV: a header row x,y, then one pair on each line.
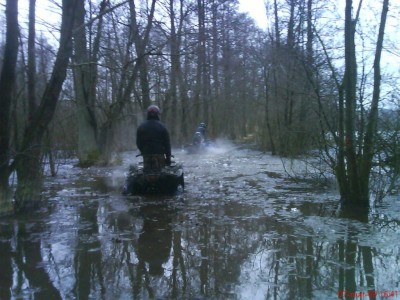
x,y
6,273
147,249
88,255
21,262
264,240
154,243
355,257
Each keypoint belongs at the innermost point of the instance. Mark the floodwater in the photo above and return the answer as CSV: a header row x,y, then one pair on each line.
x,y
242,229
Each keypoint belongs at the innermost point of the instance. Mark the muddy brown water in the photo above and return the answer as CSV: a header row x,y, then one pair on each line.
x,y
241,230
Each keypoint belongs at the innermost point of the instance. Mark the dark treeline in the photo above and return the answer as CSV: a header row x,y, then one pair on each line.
x,y
296,87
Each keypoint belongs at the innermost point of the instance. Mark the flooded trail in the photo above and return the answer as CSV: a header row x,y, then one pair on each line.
x,y
242,229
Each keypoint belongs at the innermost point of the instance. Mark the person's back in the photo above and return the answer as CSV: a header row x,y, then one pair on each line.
x,y
152,137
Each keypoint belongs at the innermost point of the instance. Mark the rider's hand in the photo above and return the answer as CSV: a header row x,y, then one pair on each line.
x,y
168,161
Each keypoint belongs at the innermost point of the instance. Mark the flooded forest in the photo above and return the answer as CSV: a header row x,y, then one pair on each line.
x,y
295,195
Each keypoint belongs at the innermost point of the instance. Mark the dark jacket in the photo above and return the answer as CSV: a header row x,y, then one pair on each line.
x,y
152,137
202,131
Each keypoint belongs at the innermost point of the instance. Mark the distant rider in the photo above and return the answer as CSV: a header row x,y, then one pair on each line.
x,y
152,138
200,134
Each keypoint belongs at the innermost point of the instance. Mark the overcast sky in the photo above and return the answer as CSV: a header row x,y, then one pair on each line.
x,y
256,10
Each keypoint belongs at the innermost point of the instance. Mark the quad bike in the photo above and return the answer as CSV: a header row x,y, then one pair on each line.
x,y
199,145
153,176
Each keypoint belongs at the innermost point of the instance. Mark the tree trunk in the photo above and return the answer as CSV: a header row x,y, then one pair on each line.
x,y
27,161
85,79
350,86
176,77
201,62
353,169
7,81
215,88
31,72
140,46
372,122
276,25
268,135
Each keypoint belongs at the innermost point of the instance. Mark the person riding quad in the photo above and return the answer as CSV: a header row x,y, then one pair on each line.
x,y
200,134
153,140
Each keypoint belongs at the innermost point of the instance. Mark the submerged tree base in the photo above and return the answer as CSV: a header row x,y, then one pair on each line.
x,y
89,159
354,212
6,203
28,195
